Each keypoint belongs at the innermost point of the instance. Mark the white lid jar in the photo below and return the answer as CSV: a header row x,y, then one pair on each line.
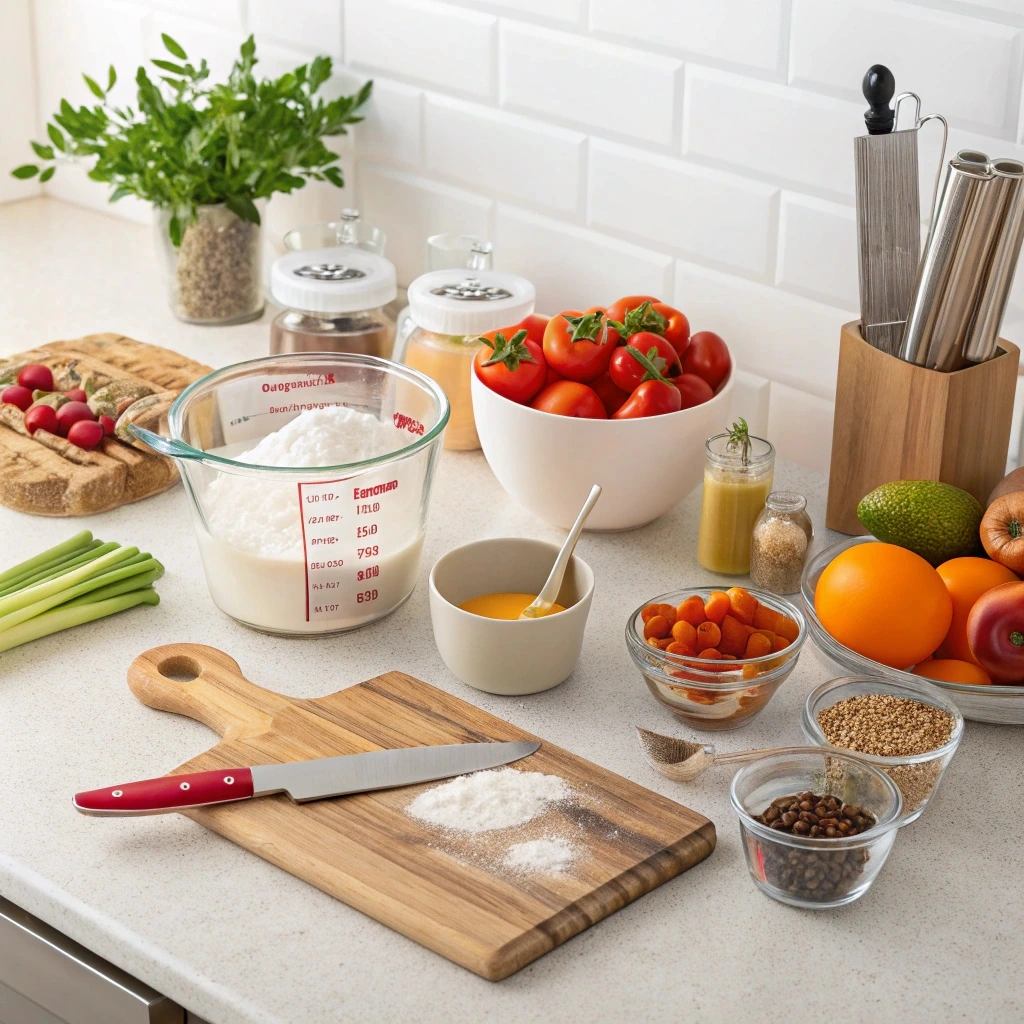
x,y
450,310
333,301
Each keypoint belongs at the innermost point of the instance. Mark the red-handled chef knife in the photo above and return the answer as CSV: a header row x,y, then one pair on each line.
x,y
302,780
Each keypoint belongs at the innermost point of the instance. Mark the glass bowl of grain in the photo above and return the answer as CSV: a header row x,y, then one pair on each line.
x,y
909,731
718,695
817,826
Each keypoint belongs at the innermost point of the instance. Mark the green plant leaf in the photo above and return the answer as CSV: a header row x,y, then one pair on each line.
x,y
175,229
334,176
56,137
47,174
119,193
173,48
41,151
243,207
248,48
166,65
25,171
94,88
111,77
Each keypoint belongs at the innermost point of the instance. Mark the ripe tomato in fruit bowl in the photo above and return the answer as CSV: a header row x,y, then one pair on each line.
x,y
995,631
570,398
578,345
511,363
614,398
535,325
708,357
628,372
693,390
638,313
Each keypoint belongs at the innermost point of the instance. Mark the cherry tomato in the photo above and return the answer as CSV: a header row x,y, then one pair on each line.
x,y
694,390
76,395
552,377
570,398
611,396
579,345
708,357
619,310
41,417
647,314
108,425
652,398
70,414
628,373
36,377
86,433
514,366
535,324
16,395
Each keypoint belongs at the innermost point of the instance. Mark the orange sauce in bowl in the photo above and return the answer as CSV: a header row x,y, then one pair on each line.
x,y
502,606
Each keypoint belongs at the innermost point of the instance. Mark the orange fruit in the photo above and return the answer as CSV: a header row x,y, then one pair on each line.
x,y
884,602
966,580
949,670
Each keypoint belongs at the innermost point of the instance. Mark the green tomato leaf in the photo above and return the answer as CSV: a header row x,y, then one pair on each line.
x,y
173,48
43,152
56,137
25,171
94,88
47,174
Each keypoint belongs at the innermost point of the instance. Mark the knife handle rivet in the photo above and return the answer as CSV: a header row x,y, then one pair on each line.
x,y
228,780
116,792
184,785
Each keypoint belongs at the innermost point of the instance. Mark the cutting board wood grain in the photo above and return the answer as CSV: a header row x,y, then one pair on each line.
x,y
47,475
433,887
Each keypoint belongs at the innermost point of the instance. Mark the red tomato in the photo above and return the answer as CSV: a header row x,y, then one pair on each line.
x,y
708,357
535,324
995,631
41,417
619,310
693,390
570,398
513,367
643,313
86,433
36,377
108,425
76,395
16,395
70,414
628,372
652,398
611,396
552,377
578,345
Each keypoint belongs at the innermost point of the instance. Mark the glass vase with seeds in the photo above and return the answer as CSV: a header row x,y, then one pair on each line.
x,y
738,474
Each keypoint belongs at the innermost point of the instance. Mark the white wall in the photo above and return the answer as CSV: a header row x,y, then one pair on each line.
x,y
699,149
17,97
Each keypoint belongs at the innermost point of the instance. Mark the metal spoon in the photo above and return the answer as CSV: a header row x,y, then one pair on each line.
x,y
541,604
684,761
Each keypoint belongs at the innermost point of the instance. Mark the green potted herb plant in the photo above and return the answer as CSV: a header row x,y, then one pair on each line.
x,y
207,157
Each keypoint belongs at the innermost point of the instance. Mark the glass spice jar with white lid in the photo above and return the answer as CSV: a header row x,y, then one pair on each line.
x,y
779,543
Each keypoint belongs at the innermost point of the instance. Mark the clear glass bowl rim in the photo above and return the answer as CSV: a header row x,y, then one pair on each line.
x,y
922,691
886,824
638,646
815,566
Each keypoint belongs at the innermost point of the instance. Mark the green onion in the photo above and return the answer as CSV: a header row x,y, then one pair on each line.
x,y
61,550
94,550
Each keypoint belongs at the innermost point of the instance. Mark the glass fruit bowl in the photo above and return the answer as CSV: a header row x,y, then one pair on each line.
x,y
721,697
999,704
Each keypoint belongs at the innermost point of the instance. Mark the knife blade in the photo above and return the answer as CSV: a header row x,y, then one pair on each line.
x,y
301,780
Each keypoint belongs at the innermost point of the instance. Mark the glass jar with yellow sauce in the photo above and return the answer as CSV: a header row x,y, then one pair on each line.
x,y
450,310
738,474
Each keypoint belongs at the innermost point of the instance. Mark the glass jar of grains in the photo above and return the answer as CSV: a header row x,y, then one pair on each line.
x,y
779,544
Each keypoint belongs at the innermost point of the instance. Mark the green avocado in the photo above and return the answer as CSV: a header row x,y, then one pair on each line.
x,y
937,521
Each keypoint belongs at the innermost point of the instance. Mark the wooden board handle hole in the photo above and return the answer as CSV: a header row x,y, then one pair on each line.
x,y
180,668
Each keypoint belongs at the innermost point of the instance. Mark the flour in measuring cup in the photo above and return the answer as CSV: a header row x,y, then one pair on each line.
x,y
269,558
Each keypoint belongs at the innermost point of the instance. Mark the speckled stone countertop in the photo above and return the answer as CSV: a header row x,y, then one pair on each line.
x,y
938,938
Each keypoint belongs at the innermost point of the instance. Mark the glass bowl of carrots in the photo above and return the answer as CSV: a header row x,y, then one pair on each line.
x,y
715,657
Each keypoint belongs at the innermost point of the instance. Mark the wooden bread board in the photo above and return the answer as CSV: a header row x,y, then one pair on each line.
x,y
46,475
446,892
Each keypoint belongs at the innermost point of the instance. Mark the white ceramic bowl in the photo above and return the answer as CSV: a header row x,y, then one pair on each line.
x,y
500,655
548,463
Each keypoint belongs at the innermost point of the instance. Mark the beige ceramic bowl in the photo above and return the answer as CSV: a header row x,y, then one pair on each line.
x,y
508,656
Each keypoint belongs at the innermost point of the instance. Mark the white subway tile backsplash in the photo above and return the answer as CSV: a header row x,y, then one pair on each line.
x,y
736,31
393,129
751,398
818,249
573,267
314,25
448,47
774,131
410,208
595,84
17,99
966,68
518,158
225,13
786,338
704,213
568,11
800,427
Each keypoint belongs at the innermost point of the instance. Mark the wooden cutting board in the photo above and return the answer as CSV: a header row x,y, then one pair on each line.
x,y
46,475
448,893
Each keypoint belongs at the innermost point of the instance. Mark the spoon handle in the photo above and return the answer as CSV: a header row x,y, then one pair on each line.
x,y
739,756
546,598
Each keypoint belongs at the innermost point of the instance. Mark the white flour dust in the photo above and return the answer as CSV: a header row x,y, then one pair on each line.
x,y
540,856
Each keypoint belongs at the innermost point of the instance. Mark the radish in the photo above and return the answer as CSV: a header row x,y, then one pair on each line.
x,y
41,417
71,413
76,395
108,425
85,433
17,395
36,377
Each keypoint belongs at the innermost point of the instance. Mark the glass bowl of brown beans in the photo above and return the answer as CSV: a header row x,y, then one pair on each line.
x,y
910,731
817,826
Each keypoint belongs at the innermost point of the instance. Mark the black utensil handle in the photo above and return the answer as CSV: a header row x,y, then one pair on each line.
x,y
879,86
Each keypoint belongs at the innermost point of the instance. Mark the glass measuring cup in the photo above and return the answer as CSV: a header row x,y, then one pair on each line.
x,y
307,551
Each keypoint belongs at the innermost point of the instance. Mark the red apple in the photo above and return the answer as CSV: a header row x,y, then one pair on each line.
x,y
995,632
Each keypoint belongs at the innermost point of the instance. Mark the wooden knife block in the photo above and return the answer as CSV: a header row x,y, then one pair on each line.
x,y
898,421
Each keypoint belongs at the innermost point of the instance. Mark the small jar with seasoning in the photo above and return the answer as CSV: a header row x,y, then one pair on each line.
x,y
450,309
780,541
738,473
333,301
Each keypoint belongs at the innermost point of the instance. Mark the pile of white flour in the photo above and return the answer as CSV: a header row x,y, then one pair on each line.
x,y
540,856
